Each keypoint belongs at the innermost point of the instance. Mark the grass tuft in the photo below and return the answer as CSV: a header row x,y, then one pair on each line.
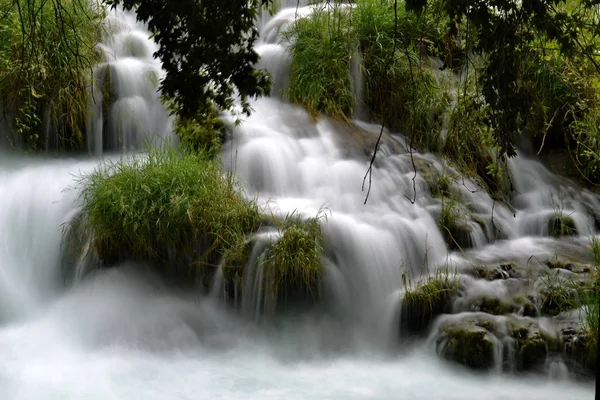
x,y
293,267
177,209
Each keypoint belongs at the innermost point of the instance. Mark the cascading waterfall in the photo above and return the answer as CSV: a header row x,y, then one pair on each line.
x,y
125,112
124,333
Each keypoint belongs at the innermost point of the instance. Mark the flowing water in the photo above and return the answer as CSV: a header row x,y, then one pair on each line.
x,y
125,334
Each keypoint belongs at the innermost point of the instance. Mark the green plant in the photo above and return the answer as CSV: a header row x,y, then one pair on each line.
x,y
321,47
432,289
293,265
204,132
558,294
46,56
177,209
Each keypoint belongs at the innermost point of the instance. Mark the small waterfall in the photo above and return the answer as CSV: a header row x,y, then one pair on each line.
x,y
125,112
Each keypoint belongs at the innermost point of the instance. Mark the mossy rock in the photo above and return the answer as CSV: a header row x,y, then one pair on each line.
x,y
497,306
492,273
457,236
575,267
532,345
580,349
421,305
470,345
561,225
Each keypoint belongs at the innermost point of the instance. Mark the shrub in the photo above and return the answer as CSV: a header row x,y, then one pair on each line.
x,y
46,56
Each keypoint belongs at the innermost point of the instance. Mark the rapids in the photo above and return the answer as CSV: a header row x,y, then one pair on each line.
x,y
125,334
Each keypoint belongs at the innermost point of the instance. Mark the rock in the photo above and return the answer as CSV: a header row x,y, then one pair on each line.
x,y
531,349
580,350
470,345
497,306
492,272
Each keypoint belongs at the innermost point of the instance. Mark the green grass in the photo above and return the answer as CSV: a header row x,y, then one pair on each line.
x,y
46,58
177,209
293,266
432,289
321,47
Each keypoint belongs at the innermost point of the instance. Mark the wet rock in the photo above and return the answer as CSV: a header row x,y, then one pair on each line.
x,y
497,306
532,347
580,350
491,272
470,345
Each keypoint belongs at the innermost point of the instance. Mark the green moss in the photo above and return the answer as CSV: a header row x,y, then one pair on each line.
x,y
293,267
46,58
177,209
472,346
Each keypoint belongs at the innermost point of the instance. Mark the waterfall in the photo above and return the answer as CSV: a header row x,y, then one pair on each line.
x,y
125,111
125,333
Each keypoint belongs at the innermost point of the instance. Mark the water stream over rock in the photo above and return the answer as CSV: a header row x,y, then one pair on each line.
x,y
124,333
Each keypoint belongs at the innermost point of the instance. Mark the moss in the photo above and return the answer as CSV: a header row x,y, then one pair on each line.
x,y
425,302
496,306
532,347
561,225
471,346
176,210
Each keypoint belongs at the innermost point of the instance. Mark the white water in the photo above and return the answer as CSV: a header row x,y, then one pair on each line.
x,y
123,334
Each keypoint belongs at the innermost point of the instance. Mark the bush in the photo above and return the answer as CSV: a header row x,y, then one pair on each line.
x,y
46,57
179,210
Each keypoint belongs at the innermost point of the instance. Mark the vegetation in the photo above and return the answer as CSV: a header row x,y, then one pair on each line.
x,y
322,49
293,267
203,132
426,299
46,55
176,209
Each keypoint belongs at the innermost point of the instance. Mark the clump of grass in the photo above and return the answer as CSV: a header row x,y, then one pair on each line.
x,y
321,47
46,58
453,224
427,298
293,266
558,294
177,209
432,289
